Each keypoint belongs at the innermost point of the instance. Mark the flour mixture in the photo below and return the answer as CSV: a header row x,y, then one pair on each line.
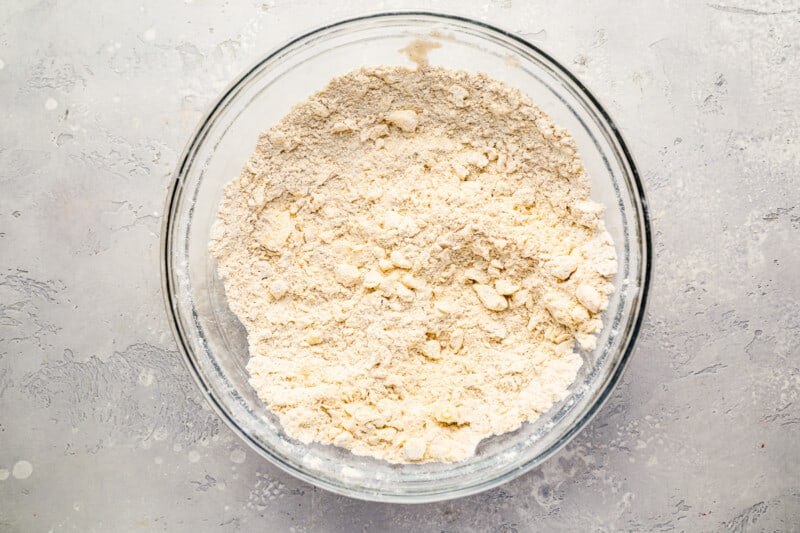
x,y
414,255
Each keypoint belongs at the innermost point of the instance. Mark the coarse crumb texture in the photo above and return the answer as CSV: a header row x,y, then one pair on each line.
x,y
413,254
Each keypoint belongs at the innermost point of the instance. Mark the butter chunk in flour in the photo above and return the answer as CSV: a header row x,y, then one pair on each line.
x,y
414,255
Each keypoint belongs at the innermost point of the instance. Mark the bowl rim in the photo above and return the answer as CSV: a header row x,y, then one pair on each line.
x,y
174,196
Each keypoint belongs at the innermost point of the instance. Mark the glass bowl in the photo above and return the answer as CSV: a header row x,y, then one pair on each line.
x,y
212,340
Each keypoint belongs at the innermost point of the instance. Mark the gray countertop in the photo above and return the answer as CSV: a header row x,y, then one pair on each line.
x,y
101,426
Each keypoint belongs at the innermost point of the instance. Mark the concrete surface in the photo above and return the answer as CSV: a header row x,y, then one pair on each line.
x,y
101,428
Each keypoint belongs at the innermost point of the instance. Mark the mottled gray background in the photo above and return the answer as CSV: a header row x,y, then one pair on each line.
x,y
101,428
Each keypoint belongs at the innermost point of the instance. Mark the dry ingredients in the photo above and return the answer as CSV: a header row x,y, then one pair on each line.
x,y
413,254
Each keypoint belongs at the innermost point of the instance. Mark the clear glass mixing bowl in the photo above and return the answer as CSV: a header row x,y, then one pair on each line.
x,y
213,341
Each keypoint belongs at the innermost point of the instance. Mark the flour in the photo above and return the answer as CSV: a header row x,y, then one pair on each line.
x,y
414,255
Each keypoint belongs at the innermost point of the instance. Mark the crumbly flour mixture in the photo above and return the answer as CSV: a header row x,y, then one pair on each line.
x,y
414,255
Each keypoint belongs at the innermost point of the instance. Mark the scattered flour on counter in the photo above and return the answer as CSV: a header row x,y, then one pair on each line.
x,y
22,470
238,456
414,255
